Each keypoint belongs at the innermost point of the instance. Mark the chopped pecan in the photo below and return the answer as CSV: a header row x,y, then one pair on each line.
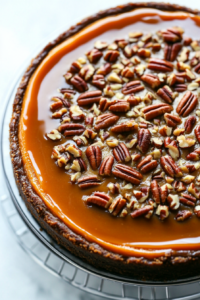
x,y
184,55
90,134
79,165
179,186
147,164
104,104
104,70
89,98
106,166
197,211
89,120
171,51
116,206
187,104
162,211
135,157
133,100
100,45
178,87
174,202
87,72
72,149
76,113
75,67
197,132
94,156
94,55
142,194
187,41
185,143
71,129
144,53
183,215
88,182
152,80
56,104
68,76
119,105
142,211
80,140
54,135
63,159
194,191
125,127
100,199
166,94
79,84
144,140
160,65
178,78
189,124
194,155
155,110
187,199
132,87
173,34
171,120
111,55
170,167
105,121
121,153
173,150
127,72
114,187
127,173
159,193
68,93
99,81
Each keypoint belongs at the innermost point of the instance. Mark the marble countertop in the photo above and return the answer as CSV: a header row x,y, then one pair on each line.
x,y
23,25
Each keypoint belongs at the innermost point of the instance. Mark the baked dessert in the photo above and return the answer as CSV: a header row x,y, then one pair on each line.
x,y
104,140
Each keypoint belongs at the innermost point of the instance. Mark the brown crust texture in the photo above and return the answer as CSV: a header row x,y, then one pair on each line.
x,y
175,265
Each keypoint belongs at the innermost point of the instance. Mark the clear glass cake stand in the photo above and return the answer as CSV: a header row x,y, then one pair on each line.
x,y
39,245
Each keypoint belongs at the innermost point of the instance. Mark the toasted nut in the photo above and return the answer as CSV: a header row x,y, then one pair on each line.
x,y
152,80
58,114
144,140
183,215
197,132
106,166
194,191
188,179
75,177
185,143
104,70
116,206
121,153
136,157
79,84
166,94
178,131
171,51
139,70
72,149
132,87
100,45
174,202
79,165
111,55
147,164
142,195
108,91
131,143
194,156
197,211
165,131
189,124
94,55
99,81
114,187
184,55
171,120
142,211
173,150
99,199
94,155
88,182
162,211
105,121
179,186
153,111
76,113
157,142
127,173
54,135
112,143
125,127
80,140
170,167
187,199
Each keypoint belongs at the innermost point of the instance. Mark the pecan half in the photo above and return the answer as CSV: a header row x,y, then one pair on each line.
x,y
87,72
160,65
105,121
187,104
147,164
104,70
183,215
89,98
178,87
127,173
79,84
71,129
106,166
173,34
125,127
159,193
194,156
155,110
94,55
116,206
99,81
189,124
132,87
171,51
100,199
171,120
170,167
152,80
111,55
88,182
121,153
142,211
166,94
144,140
94,156
197,132
187,199
119,105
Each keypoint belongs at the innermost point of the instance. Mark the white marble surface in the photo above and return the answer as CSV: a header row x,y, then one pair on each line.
x,y
23,25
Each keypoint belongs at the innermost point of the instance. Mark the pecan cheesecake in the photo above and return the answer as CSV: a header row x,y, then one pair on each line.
x,y
105,140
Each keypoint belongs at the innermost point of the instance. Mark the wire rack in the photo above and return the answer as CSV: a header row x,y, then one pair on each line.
x,y
39,245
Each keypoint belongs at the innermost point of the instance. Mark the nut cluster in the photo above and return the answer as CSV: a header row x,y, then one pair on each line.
x,y
129,117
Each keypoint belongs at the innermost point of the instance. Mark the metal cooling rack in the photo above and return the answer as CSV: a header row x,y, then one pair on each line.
x,y
39,245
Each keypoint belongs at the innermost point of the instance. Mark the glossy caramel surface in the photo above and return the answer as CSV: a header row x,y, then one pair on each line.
x,y
122,235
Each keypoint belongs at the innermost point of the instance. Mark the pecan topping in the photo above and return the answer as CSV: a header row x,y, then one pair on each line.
x,y
171,51
142,211
187,104
170,167
105,121
79,84
99,81
171,120
89,98
116,206
71,129
121,153
144,140
125,127
159,193
106,166
119,105
162,211
111,55
155,110
105,69
173,34
183,215
132,87
94,55
88,182
79,165
87,72
147,164
100,199
194,156
166,94
94,156
152,80
189,124
187,199
197,132
127,173
160,65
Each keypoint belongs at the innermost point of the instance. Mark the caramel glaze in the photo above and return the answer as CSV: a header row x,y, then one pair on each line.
x,y
127,236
